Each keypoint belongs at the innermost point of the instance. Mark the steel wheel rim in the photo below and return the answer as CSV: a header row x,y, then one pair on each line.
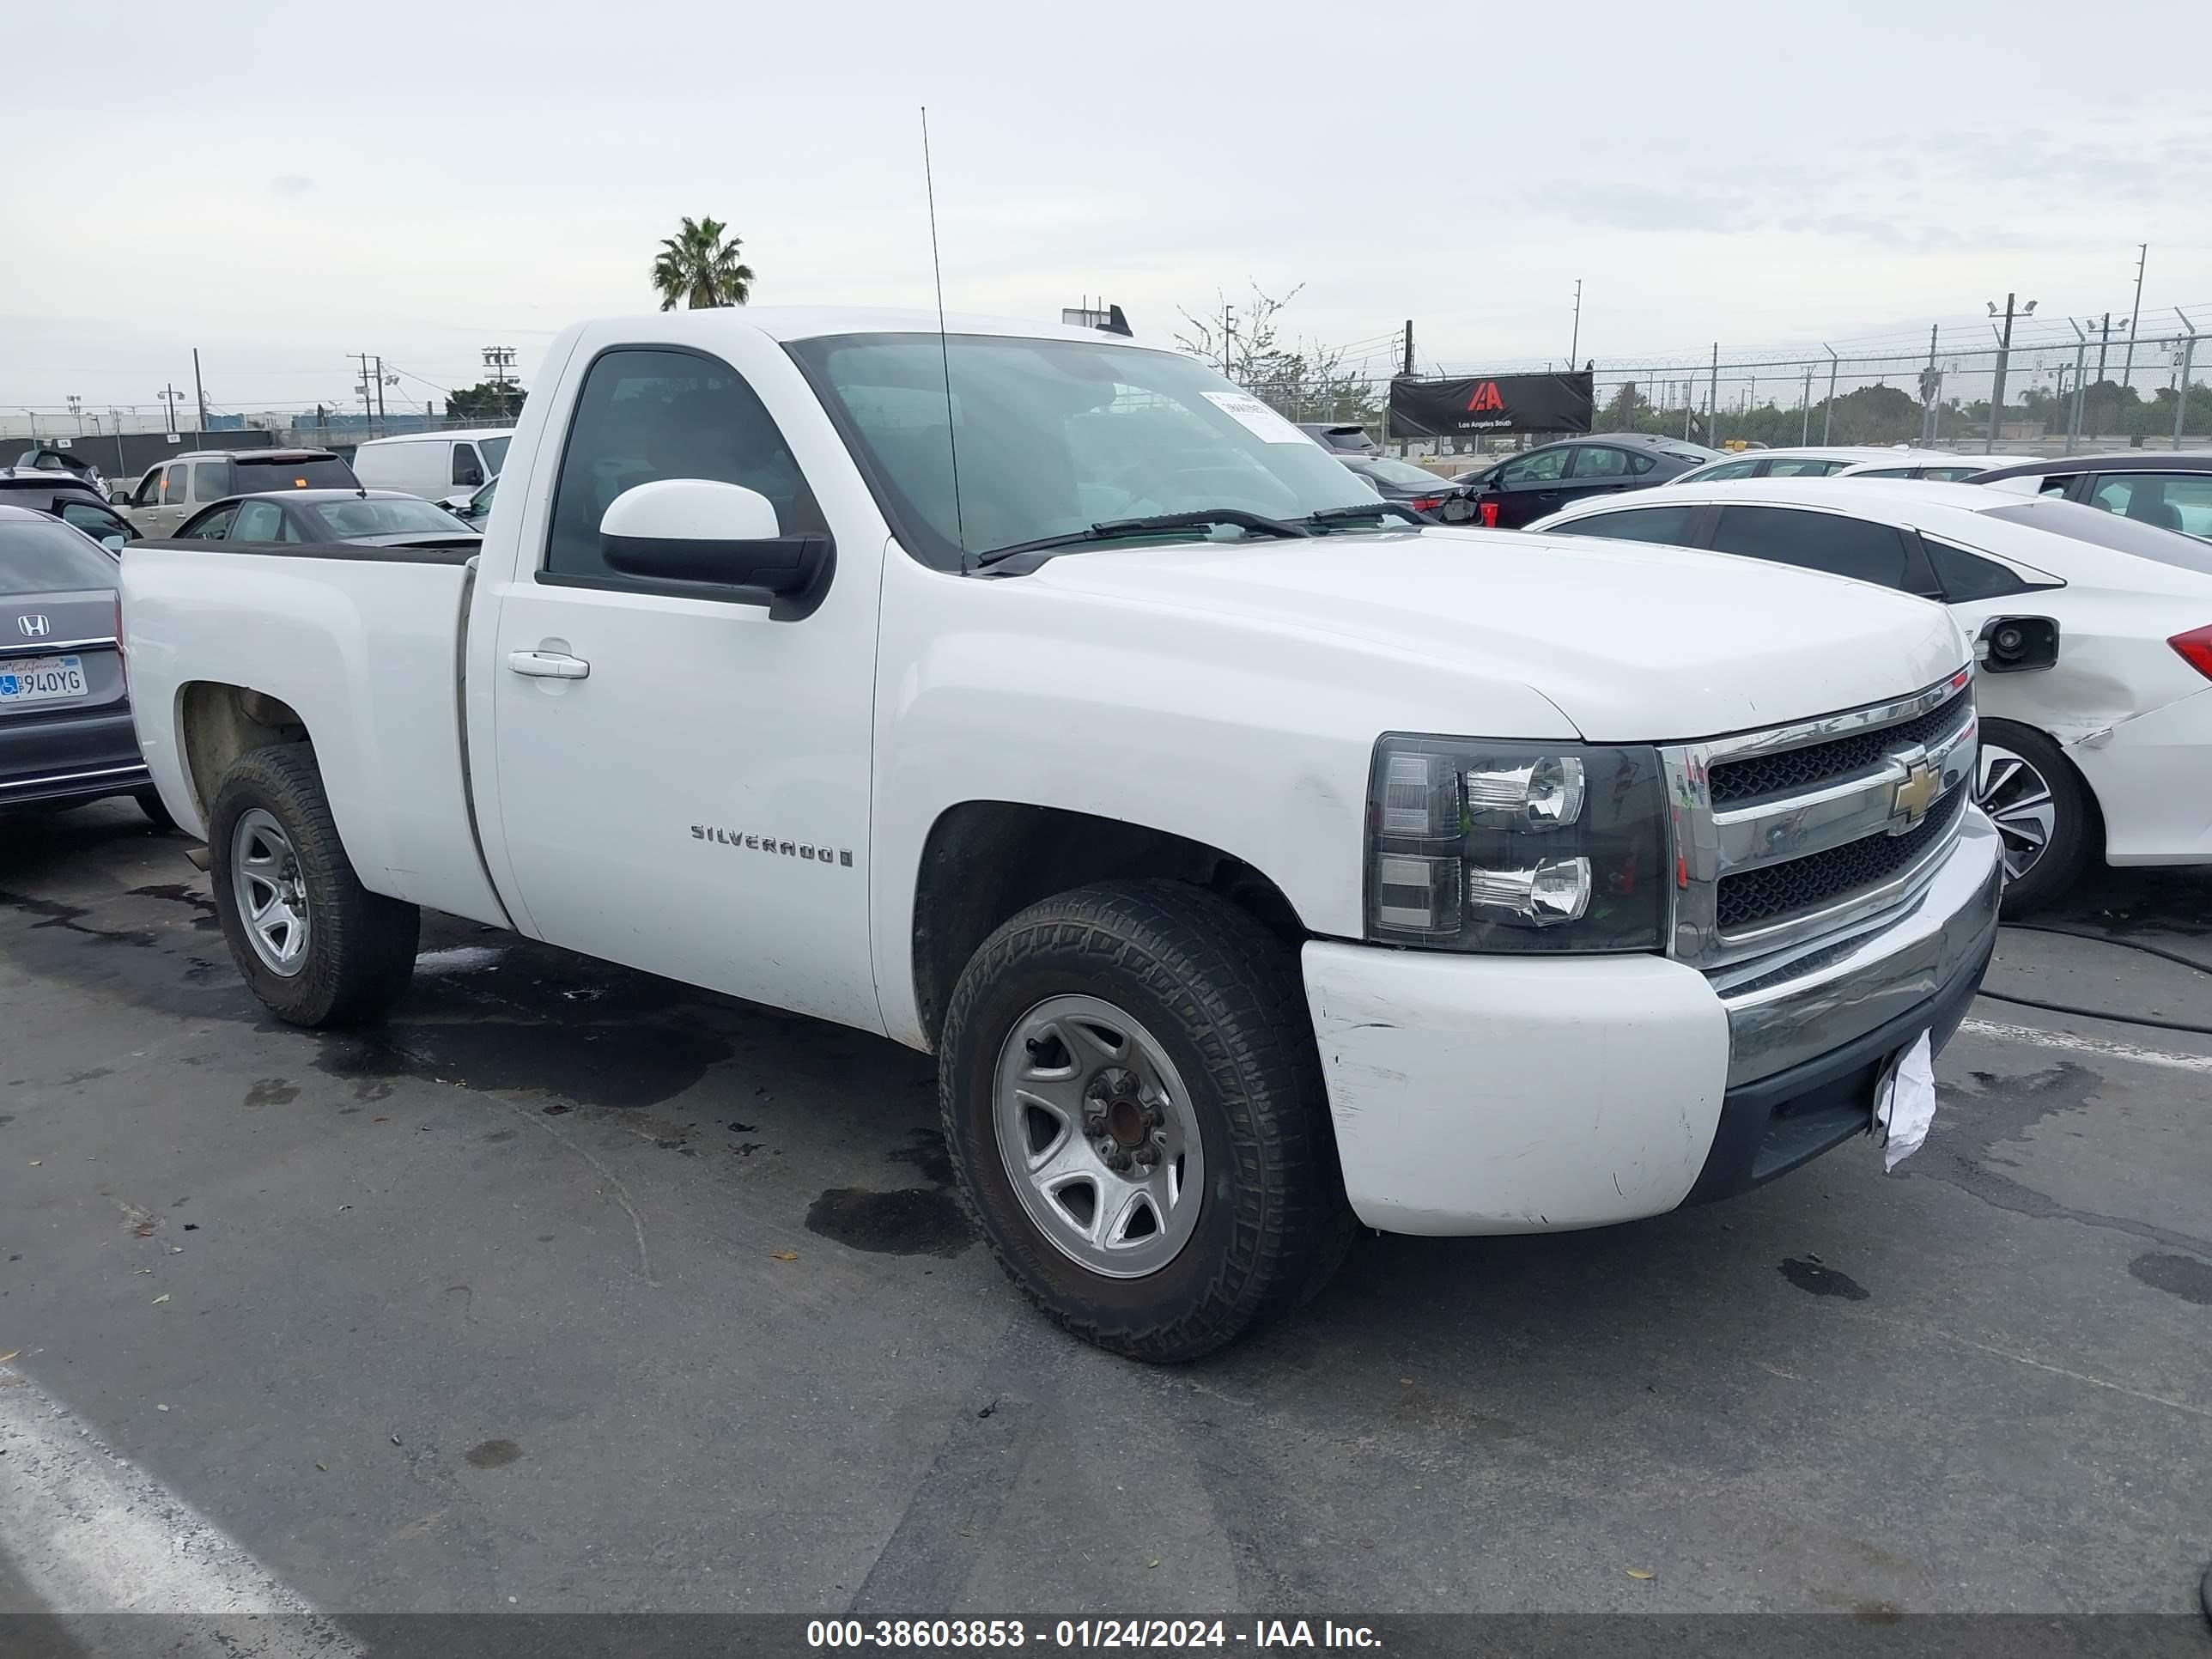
x,y
1084,1097
267,889
2019,802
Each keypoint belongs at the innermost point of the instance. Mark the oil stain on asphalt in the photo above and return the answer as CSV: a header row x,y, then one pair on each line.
x,y
1818,1278
2183,1276
908,1221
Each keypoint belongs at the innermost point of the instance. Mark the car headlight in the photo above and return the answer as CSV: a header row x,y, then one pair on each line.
x,y
1528,847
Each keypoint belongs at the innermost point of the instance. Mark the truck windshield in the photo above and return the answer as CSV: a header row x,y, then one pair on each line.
x,y
494,450
1053,436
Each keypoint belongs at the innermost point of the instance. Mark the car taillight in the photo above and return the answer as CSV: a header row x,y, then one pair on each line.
x,y
2196,649
1426,503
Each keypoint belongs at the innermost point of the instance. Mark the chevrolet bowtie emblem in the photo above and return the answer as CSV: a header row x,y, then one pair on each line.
x,y
1916,790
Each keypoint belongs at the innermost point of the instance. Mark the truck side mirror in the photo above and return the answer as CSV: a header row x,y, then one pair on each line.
x,y
697,530
2017,645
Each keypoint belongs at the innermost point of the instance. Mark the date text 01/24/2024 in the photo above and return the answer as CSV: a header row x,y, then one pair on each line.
x,y
947,1635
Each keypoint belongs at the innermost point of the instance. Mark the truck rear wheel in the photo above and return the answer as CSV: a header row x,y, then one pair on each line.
x,y
1133,1101
317,947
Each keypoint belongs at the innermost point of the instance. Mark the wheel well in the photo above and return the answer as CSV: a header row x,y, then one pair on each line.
x,y
984,862
219,723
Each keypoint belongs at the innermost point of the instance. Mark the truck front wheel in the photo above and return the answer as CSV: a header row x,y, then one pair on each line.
x,y
317,947
1133,1100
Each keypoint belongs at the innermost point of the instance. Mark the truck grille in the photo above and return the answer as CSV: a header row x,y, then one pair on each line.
x,y
1751,896
1788,837
1796,771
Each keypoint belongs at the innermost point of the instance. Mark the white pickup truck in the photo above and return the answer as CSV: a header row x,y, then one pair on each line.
x,y
1252,860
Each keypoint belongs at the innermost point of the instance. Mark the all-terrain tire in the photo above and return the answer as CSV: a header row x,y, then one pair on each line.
x,y
361,945
1223,996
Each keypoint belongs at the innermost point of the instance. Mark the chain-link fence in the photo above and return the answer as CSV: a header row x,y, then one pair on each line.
x,y
2093,392
307,423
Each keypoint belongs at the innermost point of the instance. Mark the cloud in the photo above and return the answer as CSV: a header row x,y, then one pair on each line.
x,y
1620,207
290,186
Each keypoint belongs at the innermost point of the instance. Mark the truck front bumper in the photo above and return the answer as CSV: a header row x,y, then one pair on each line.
x,y
1521,1094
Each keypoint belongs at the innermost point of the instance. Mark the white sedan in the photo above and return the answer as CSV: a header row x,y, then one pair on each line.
x,y
1839,461
2093,633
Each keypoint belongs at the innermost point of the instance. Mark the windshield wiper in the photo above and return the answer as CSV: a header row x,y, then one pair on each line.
x,y
1329,515
1110,529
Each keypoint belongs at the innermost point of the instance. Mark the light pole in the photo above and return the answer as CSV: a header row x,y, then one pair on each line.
x,y
1575,340
2004,353
33,414
76,408
170,398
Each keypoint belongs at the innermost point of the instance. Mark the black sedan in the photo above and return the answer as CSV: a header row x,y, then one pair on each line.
x,y
68,499
1399,481
2171,490
1523,488
65,733
376,518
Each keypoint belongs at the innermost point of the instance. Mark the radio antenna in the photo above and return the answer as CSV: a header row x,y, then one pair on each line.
x,y
944,347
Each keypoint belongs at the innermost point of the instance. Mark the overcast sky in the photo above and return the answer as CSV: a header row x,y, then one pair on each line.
x,y
283,185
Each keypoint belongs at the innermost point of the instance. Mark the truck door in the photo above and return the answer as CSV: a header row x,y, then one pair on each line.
x,y
682,783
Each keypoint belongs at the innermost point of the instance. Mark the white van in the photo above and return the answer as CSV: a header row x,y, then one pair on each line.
x,y
439,466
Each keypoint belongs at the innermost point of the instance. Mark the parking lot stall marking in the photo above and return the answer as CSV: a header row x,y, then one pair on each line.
x,y
92,1536
2101,1048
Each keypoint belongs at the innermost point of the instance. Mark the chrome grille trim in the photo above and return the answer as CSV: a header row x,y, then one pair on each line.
x,y
1711,844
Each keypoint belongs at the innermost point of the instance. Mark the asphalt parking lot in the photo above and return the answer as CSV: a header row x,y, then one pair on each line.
x,y
575,1289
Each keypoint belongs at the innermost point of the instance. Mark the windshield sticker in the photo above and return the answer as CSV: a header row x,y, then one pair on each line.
x,y
1256,418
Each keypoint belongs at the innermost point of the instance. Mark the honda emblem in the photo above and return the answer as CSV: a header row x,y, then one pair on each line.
x,y
34,626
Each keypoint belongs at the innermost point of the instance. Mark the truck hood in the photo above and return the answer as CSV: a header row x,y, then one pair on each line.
x,y
1633,644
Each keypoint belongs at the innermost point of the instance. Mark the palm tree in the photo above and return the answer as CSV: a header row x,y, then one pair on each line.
x,y
698,267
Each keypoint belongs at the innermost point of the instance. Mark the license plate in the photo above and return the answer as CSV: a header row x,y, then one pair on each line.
x,y
41,679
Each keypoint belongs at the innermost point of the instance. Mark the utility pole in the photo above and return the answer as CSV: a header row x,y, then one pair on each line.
x,y
200,391
1228,333
1574,340
76,408
2181,392
1805,425
367,408
380,390
1828,409
2080,364
2142,258
2104,344
169,397
1931,386
2004,355
1713,402
1409,346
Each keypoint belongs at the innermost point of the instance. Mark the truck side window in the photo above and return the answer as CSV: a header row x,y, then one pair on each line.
x,y
646,414
211,481
467,470
1815,541
149,489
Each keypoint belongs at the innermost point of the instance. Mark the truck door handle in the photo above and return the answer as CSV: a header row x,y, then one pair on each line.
x,y
549,666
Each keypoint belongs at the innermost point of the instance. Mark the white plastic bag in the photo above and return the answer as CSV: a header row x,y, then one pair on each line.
x,y
1905,1104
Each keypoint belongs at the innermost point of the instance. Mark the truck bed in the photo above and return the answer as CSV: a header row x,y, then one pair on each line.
x,y
304,616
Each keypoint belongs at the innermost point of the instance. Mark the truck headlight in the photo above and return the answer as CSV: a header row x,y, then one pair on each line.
x,y
1535,846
